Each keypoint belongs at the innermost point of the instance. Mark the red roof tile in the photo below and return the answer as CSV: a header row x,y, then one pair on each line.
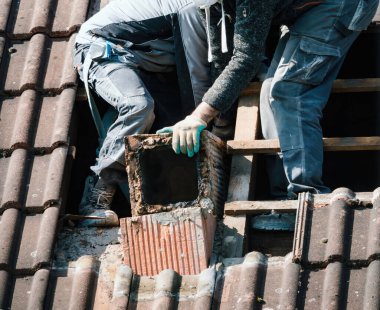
x,y
38,64
74,288
30,291
4,14
344,230
32,181
180,240
35,121
28,240
56,18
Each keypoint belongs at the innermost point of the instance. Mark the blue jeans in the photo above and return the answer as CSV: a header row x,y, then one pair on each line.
x,y
297,87
120,85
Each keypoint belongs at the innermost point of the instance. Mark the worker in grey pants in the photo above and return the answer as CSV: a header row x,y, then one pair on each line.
x,y
111,51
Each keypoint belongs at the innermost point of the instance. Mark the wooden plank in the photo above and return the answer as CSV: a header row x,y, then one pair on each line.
x,y
257,207
286,206
247,128
330,145
339,86
242,168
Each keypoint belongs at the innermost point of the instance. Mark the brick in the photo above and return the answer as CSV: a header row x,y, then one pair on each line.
x,y
160,180
180,240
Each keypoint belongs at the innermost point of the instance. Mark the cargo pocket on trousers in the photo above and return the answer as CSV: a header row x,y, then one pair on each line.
x,y
311,62
364,13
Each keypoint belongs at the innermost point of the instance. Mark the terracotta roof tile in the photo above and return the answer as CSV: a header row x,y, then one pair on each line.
x,y
30,291
4,14
180,240
33,181
53,17
35,121
339,286
343,230
28,239
38,64
4,288
74,287
278,283
9,236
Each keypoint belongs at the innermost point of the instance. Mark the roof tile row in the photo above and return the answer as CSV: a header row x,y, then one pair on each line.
x,y
27,240
23,18
346,230
37,64
37,95
32,181
35,121
253,282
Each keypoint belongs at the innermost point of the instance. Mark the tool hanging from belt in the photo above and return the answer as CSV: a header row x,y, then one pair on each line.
x,y
97,51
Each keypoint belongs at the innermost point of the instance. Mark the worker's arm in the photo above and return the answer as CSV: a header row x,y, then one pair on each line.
x,y
253,20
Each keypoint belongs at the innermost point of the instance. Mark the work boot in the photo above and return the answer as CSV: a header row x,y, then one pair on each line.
x,y
96,202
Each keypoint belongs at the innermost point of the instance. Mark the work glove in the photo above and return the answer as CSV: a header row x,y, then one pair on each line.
x,y
186,135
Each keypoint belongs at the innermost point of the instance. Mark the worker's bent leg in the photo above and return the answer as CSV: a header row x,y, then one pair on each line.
x,y
122,88
301,87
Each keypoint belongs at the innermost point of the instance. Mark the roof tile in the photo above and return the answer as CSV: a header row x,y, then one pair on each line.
x,y
30,239
180,240
4,14
169,290
339,286
75,286
278,283
38,64
30,291
53,17
342,230
36,121
9,236
4,288
33,181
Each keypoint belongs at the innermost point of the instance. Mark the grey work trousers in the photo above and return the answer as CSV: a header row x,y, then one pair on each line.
x,y
119,84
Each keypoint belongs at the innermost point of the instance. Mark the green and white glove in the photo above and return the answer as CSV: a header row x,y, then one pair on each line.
x,y
186,135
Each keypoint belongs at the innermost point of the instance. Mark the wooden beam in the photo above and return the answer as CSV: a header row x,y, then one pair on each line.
x,y
242,168
257,207
287,206
330,145
247,128
339,86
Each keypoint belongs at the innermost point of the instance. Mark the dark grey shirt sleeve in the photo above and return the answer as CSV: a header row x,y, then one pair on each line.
x,y
253,21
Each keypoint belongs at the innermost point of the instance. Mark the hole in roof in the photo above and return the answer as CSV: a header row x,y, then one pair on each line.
x,y
172,178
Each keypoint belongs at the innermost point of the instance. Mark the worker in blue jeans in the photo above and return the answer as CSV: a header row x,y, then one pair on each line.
x,y
316,36
297,87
